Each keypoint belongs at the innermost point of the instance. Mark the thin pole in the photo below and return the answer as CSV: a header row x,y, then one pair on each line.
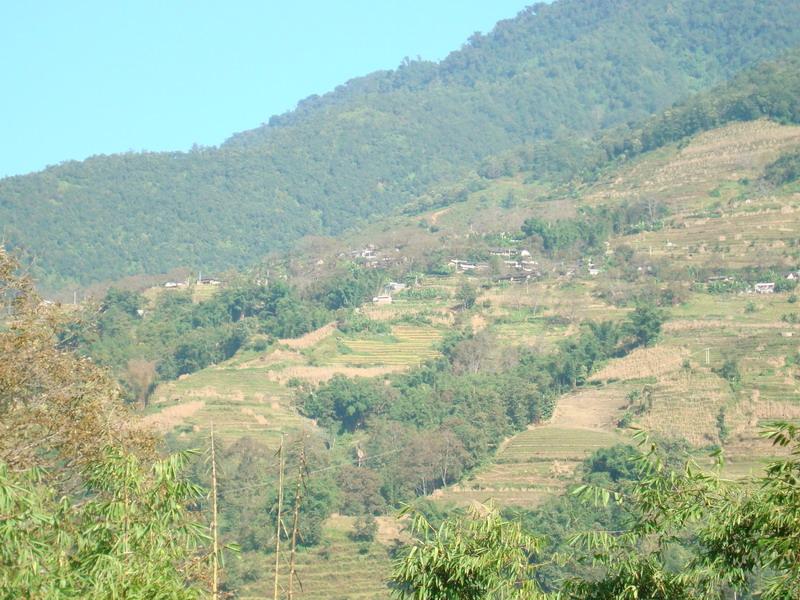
x,y
298,497
215,558
278,525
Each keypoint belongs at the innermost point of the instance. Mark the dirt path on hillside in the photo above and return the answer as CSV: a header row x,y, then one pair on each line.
x,y
435,216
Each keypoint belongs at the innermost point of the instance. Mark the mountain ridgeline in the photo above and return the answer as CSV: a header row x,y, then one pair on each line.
x,y
569,70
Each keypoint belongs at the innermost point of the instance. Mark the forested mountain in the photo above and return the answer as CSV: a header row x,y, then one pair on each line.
x,y
573,67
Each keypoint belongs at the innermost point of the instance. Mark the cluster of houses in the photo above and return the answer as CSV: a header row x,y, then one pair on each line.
x,y
372,257
200,281
578,267
514,260
762,287
466,266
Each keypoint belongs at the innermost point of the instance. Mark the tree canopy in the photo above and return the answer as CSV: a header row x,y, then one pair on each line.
x,y
569,69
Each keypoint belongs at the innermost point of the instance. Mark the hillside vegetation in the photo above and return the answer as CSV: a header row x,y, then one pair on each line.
x,y
524,350
555,71
537,278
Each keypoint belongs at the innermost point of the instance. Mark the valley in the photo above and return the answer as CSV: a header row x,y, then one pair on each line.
x,y
671,389
518,323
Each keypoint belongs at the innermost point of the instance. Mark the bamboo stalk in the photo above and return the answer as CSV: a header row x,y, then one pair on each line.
x,y
214,531
298,497
278,525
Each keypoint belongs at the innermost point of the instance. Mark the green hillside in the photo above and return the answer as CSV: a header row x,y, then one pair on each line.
x,y
726,227
486,277
568,69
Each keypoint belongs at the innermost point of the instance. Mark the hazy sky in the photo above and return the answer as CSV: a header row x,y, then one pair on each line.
x,y
90,77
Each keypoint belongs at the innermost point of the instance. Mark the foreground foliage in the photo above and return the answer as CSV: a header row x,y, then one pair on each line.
x,y
740,530
680,532
126,534
476,556
86,508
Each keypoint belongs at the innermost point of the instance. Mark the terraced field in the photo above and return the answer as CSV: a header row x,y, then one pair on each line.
x,y
704,173
720,213
340,568
406,346
717,217
535,465
733,240
249,395
238,401
542,461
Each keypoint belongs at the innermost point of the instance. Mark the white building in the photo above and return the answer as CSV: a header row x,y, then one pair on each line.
x,y
764,288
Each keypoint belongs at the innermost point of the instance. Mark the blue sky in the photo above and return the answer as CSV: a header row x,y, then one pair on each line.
x,y
94,77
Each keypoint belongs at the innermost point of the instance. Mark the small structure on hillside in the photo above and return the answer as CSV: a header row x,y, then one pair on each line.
x,y
507,252
382,299
462,265
764,288
394,286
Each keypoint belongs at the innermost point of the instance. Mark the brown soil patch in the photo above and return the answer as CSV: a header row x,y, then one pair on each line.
x,y
173,416
435,216
390,530
478,323
259,419
321,374
311,338
277,355
590,409
642,362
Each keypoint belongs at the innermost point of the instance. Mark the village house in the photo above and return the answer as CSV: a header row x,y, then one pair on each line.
x,y
462,265
507,252
394,286
382,299
764,288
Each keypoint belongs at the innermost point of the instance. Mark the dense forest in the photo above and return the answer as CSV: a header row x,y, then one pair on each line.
x,y
376,142
769,90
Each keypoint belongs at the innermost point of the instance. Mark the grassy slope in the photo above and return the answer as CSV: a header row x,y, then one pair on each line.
x,y
716,174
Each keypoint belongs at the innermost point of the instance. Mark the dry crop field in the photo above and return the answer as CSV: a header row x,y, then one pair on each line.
x,y
339,567
542,461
